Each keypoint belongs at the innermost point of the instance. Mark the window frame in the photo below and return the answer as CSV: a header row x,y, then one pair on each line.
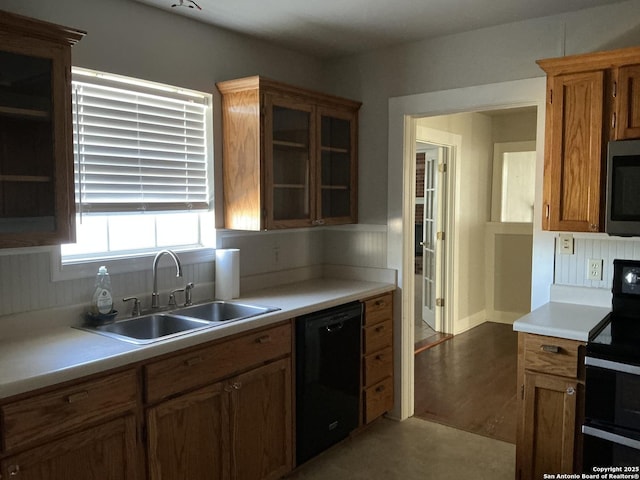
x,y
136,261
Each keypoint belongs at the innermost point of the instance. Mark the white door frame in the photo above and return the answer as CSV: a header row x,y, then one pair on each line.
x,y
400,205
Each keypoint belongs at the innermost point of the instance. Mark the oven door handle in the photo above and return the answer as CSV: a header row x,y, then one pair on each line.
x,y
611,437
609,365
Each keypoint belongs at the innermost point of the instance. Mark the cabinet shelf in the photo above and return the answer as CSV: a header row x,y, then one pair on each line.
x,y
335,149
24,112
25,178
289,185
285,144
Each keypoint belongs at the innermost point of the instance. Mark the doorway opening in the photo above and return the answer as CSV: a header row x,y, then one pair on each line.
x,y
403,113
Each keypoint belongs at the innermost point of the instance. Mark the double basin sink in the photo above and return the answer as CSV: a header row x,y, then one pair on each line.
x,y
161,326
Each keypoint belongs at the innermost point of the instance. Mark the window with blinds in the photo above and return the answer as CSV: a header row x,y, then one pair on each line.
x,y
143,168
138,146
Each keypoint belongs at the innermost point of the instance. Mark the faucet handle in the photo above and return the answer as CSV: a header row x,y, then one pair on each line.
x,y
172,296
187,294
135,311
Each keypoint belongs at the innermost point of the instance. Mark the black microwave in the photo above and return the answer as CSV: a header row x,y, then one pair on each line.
x,y
623,188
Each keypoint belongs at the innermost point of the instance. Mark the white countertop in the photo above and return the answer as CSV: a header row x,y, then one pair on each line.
x,y
35,359
564,320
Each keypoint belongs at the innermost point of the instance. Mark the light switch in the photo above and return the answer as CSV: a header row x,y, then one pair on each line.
x,y
565,241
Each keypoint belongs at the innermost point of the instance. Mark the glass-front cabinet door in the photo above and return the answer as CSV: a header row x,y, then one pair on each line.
x,y
290,175
337,193
36,198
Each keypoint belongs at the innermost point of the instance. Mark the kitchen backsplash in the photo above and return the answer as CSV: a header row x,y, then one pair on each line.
x,y
572,269
25,279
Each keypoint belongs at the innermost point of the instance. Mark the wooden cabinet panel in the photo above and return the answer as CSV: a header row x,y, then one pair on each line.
x,y
574,152
555,356
378,365
549,425
378,336
49,414
105,452
261,409
196,368
378,309
378,399
188,437
628,100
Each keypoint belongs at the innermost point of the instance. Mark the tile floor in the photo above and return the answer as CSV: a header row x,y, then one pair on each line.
x,y
412,450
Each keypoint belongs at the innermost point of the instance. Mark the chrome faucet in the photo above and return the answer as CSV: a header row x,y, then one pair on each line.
x,y
154,295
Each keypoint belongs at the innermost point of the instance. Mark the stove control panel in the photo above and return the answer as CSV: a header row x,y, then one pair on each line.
x,y
631,280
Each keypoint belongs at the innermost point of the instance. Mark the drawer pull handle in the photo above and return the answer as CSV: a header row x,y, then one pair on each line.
x,y
264,339
550,348
74,398
379,329
380,389
193,361
14,470
571,391
380,303
379,357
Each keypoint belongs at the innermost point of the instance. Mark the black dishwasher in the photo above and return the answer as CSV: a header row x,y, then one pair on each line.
x,y
327,378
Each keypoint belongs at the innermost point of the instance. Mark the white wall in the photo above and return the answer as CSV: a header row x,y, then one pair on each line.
x,y
491,55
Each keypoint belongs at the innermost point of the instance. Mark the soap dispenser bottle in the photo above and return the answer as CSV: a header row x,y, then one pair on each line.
x,y
102,302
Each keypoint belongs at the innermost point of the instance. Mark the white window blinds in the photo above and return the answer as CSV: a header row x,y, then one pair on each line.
x,y
138,146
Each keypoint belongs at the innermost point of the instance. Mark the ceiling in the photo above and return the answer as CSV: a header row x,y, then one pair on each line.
x,y
333,28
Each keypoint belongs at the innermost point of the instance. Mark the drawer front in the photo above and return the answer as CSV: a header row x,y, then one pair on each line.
x,y
378,366
378,399
555,356
377,337
52,413
200,367
378,309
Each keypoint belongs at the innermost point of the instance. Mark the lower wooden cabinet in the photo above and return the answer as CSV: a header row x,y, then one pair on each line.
x,y
236,429
188,437
261,422
550,382
377,357
549,425
104,452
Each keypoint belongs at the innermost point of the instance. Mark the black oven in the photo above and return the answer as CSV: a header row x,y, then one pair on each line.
x,y
612,383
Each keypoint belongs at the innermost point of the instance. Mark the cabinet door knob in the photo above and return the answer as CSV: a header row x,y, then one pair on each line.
x,y
237,385
571,391
264,339
379,329
380,389
14,470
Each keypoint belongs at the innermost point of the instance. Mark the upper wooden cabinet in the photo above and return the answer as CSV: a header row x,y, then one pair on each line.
x,y
289,156
591,99
37,204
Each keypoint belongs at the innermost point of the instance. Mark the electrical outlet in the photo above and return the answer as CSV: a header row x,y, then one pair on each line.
x,y
566,244
594,269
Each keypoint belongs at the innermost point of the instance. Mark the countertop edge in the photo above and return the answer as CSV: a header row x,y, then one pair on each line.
x,y
563,320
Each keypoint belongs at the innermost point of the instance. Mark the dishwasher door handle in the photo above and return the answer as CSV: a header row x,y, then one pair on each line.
x,y
335,327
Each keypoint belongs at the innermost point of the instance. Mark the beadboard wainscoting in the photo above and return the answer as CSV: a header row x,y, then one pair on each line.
x,y
572,269
267,257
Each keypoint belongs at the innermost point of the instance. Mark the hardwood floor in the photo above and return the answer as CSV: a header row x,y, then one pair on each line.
x,y
469,382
